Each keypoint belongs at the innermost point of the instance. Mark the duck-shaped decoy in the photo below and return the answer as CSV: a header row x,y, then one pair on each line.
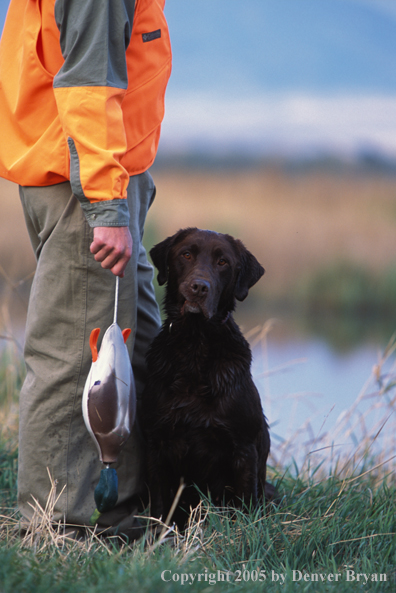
x,y
109,405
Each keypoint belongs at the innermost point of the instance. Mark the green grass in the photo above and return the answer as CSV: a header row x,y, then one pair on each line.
x,y
319,528
8,474
12,372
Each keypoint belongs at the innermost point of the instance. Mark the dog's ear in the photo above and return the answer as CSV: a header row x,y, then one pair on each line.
x,y
160,253
250,271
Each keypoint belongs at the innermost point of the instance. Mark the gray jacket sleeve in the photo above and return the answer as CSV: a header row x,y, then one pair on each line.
x,y
94,36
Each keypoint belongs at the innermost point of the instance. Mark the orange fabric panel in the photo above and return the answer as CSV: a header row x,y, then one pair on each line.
x,y
28,112
149,67
93,118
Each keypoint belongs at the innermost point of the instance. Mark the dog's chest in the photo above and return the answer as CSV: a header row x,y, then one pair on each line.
x,y
205,364
195,403
201,395
197,382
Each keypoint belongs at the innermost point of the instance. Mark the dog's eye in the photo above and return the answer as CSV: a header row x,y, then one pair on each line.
x,y
222,261
186,255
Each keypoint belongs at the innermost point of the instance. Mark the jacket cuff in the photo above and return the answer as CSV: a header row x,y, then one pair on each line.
x,y
106,213
113,212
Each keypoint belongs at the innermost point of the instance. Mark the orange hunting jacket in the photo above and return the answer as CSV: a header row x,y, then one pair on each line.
x,y
82,86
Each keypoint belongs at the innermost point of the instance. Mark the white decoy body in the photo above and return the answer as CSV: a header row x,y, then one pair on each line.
x,y
109,397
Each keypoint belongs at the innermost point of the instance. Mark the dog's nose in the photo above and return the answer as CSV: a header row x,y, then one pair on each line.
x,y
199,287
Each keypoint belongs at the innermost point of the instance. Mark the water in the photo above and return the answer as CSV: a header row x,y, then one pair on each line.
x,y
307,386
306,378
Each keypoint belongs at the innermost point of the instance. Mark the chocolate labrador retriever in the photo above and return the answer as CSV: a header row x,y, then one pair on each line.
x,y
201,412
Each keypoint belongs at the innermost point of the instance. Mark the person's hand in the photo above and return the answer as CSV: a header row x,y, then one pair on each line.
x,y
112,247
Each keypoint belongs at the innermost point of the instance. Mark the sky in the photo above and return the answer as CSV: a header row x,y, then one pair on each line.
x,y
281,77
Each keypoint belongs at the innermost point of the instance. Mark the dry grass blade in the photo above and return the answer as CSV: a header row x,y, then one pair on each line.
x,y
9,525
194,534
163,537
166,529
175,502
357,539
43,532
349,480
40,531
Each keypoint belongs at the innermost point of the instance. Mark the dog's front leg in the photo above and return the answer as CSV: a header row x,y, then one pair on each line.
x,y
157,482
245,463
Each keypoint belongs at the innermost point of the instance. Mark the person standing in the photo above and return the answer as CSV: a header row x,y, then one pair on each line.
x,y
82,86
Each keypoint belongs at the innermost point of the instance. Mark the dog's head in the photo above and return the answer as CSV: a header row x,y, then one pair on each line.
x,y
205,271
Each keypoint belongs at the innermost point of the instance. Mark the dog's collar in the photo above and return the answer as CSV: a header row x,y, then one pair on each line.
x,y
226,318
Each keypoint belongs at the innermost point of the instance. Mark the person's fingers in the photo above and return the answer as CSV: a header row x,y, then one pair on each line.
x,y
109,260
112,248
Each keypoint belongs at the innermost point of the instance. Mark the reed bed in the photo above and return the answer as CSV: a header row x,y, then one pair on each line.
x,y
294,223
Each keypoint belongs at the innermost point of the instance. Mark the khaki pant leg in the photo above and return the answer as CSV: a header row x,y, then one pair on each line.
x,y
71,294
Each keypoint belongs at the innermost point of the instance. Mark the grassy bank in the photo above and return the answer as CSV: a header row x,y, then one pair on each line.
x,y
326,527
335,520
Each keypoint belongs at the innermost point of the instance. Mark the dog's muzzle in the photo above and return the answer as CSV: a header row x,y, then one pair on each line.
x,y
198,295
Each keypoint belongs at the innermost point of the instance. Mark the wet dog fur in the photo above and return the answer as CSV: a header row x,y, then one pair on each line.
x,y
201,412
